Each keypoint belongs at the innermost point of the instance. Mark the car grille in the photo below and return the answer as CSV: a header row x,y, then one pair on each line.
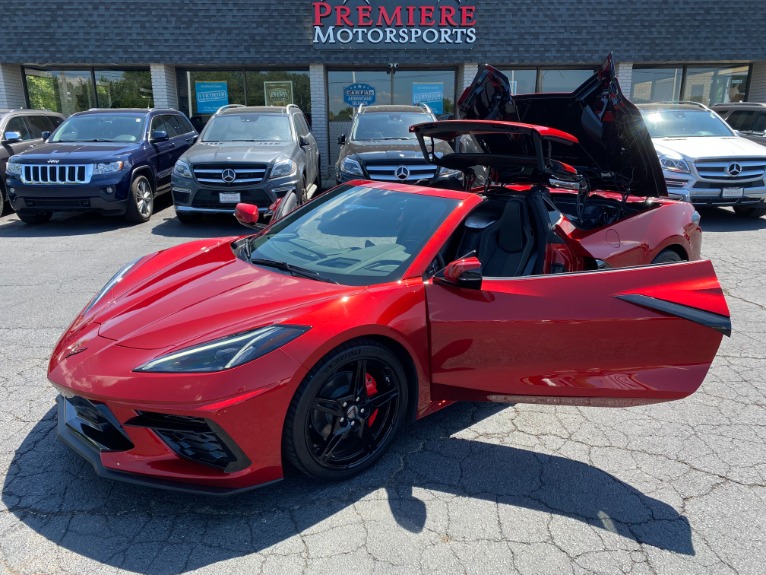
x,y
731,169
211,199
194,438
244,174
56,173
406,171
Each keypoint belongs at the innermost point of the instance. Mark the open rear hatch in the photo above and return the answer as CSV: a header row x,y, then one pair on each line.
x,y
611,146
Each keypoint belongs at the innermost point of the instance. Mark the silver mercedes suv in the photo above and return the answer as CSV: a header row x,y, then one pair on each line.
x,y
255,155
704,161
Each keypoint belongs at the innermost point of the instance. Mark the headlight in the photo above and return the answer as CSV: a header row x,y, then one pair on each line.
x,y
280,169
351,167
12,168
103,168
225,353
117,278
674,164
182,169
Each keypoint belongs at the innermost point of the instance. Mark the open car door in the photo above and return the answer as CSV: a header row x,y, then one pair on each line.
x,y
620,337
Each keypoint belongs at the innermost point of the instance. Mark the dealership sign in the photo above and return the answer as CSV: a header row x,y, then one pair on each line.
x,y
362,24
211,96
431,94
358,94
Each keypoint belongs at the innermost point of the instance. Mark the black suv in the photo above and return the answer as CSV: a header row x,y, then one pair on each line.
x,y
110,161
748,118
251,154
381,147
20,130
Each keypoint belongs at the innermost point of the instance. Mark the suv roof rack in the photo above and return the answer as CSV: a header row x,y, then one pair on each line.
x,y
228,107
688,102
425,106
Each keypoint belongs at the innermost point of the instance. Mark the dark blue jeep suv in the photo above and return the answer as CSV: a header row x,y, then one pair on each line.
x,y
110,161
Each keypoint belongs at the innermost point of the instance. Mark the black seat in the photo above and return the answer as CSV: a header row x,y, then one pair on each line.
x,y
506,245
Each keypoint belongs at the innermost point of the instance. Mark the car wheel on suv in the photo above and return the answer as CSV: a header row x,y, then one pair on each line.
x,y
141,201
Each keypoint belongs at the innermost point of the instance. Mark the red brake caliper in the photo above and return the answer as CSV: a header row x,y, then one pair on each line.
x,y
372,389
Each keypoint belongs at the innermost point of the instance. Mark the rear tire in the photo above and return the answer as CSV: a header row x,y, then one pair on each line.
x,y
35,218
140,200
749,211
667,256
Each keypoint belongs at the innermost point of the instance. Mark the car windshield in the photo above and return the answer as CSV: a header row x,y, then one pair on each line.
x,y
387,125
122,127
684,124
354,235
248,128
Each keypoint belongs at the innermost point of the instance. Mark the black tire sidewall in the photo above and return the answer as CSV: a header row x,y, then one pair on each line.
x,y
666,257
295,445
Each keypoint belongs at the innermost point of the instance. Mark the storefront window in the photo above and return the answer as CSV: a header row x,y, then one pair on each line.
x,y
69,91
202,92
124,88
656,84
716,85
522,81
563,80
65,91
705,84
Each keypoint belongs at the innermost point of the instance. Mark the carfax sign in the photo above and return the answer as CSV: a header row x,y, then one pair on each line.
x,y
278,93
362,24
431,94
211,96
358,93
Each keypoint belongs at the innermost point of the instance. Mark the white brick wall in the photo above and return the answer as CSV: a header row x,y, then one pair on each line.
x,y
319,115
758,83
11,87
625,76
465,75
164,86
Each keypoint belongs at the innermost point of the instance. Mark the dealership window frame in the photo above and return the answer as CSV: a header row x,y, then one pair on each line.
x,y
681,93
93,83
185,88
540,71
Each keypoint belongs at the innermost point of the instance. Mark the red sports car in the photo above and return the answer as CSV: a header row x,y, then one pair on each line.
x,y
210,366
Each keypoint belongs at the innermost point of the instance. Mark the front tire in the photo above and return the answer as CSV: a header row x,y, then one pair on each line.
x,y
140,200
749,211
346,412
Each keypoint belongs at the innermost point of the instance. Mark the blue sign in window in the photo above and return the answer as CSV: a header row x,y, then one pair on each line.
x,y
358,94
211,96
431,94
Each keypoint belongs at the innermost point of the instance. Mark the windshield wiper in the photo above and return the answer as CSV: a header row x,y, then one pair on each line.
x,y
397,138
293,269
99,140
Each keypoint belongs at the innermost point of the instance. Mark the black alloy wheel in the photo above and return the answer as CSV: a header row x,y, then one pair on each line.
x,y
346,412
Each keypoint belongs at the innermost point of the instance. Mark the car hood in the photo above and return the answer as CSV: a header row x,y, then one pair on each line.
x,y
389,150
74,152
200,291
213,152
710,147
614,149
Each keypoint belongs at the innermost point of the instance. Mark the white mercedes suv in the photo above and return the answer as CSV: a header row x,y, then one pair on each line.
x,y
704,161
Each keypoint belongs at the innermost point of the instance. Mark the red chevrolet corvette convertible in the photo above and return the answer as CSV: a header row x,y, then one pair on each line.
x,y
210,366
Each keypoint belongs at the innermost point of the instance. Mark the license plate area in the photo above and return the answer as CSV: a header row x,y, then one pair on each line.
x,y
732,192
229,197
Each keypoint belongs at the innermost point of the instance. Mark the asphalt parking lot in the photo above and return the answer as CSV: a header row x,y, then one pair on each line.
x,y
673,488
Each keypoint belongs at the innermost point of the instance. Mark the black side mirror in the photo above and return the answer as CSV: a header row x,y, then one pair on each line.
x,y
342,139
45,135
304,141
160,136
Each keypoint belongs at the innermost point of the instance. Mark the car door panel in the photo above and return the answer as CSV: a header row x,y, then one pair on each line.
x,y
617,337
